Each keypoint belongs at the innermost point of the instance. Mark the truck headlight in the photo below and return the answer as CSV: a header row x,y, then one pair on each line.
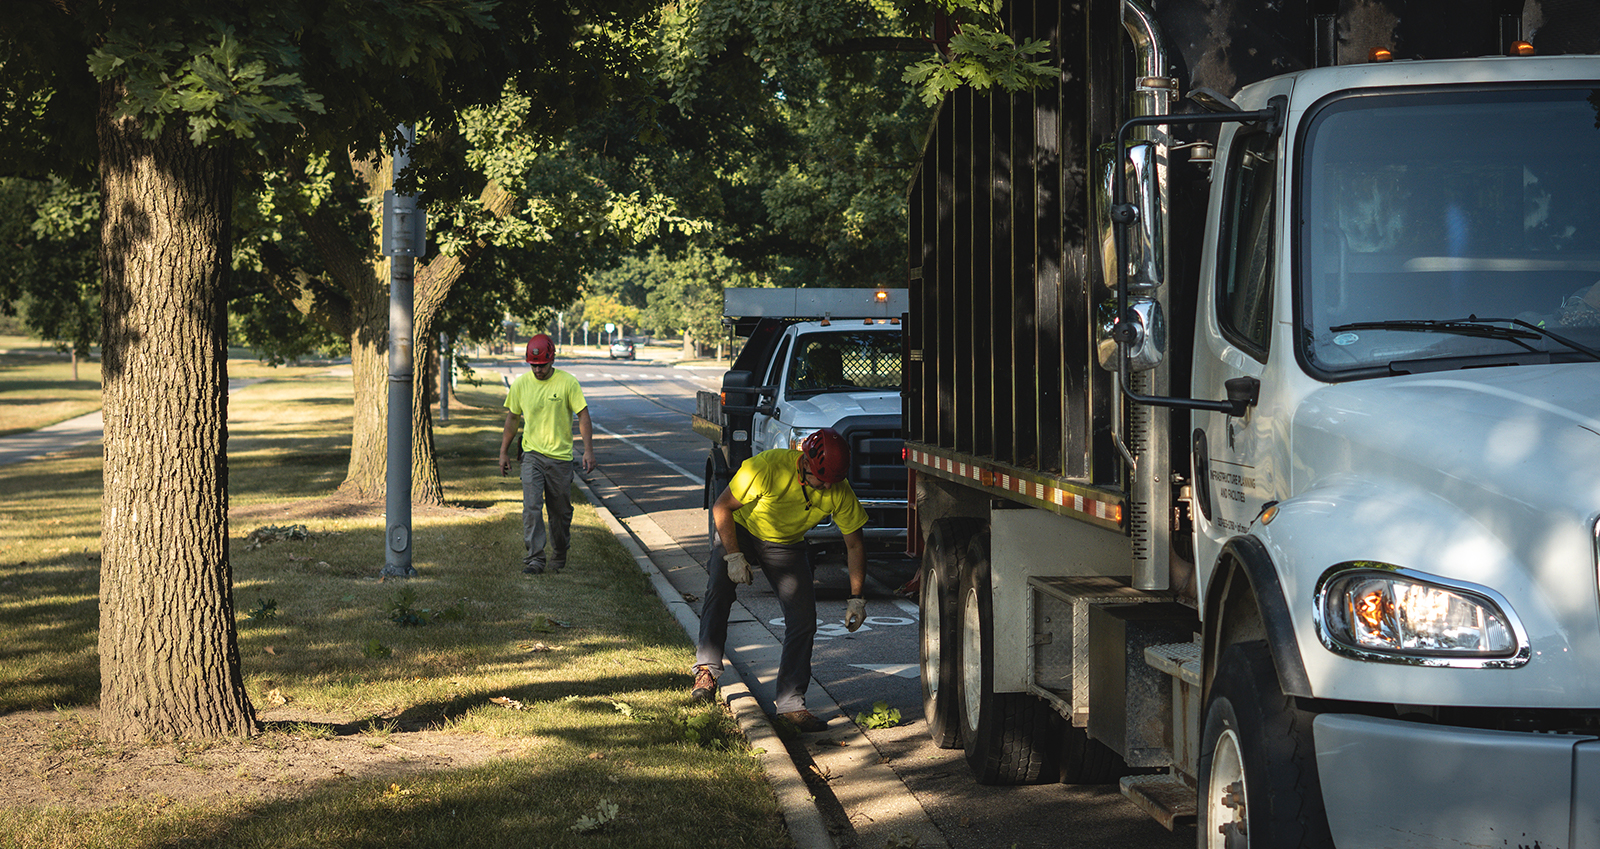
x,y
1379,609
797,435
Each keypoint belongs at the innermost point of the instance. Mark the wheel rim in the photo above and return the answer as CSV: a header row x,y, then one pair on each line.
x,y
1227,817
971,658
932,621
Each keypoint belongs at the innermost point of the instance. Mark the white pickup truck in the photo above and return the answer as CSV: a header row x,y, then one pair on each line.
x,y
814,358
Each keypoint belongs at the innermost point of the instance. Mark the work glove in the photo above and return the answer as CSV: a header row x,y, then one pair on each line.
x,y
739,568
855,612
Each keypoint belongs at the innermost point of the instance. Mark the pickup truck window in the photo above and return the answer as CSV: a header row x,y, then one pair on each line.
x,y
831,362
1423,216
775,371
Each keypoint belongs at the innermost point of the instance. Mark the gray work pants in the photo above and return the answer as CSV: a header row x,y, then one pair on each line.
x,y
546,484
788,570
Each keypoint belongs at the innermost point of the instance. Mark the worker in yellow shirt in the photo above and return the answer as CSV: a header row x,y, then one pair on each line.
x,y
761,520
540,407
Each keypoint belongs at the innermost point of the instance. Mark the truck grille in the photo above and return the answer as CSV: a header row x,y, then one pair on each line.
x,y
877,472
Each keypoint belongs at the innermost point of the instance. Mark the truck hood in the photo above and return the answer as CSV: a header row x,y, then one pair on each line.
x,y
1522,439
834,406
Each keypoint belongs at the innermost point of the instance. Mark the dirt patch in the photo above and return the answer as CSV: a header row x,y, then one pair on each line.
x,y
50,758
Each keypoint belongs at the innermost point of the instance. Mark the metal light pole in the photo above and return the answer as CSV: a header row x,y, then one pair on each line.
x,y
446,371
404,239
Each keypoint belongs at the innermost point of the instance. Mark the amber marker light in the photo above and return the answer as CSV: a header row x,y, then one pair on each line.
x,y
1380,54
881,296
1520,48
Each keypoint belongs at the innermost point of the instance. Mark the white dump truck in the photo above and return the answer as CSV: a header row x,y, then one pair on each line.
x,y
1253,403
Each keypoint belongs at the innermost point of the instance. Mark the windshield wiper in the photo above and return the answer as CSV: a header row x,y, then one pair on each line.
x,y
1488,328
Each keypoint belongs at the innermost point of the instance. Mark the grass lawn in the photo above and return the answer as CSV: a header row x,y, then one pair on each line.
x,y
472,706
37,386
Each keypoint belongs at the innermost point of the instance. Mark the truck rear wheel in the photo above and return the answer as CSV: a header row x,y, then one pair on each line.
x,y
1010,738
1258,769
1085,760
937,626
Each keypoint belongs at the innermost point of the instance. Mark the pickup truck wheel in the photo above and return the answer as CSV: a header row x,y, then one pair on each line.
x,y
1009,737
936,627
1258,769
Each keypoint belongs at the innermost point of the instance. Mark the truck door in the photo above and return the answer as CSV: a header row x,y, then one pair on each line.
x,y
1233,469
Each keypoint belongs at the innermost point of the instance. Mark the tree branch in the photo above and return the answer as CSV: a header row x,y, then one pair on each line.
x,y
310,296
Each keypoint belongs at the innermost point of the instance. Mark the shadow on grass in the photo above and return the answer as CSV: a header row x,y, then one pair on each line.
x,y
521,802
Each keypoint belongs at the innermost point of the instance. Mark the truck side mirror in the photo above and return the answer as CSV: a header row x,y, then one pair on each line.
x,y
1143,255
739,394
1143,330
1134,220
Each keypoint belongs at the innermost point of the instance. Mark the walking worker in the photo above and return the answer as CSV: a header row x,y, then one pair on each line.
x,y
541,404
761,520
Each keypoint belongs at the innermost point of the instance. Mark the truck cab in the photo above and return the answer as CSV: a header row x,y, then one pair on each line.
x,y
1405,274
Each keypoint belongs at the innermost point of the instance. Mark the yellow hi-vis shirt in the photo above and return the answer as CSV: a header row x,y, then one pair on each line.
x,y
777,508
547,407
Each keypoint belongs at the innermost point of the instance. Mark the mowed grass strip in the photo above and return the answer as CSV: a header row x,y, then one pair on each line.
x,y
590,656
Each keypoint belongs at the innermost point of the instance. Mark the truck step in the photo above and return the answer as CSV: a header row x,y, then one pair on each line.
x,y
1168,798
1180,660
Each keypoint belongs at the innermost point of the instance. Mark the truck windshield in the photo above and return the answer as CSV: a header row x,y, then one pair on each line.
x,y
834,362
1450,229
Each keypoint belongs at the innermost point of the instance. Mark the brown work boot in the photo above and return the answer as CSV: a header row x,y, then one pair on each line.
x,y
804,720
705,685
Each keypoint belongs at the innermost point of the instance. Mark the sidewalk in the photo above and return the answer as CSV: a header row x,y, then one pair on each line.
x,y
49,440
67,435
870,804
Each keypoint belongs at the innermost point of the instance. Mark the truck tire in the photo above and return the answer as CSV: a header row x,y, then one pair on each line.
x,y
1257,740
709,497
1085,760
936,627
1009,737
717,478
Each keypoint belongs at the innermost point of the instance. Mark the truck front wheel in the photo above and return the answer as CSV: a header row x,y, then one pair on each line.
x,y
936,627
1258,769
1009,737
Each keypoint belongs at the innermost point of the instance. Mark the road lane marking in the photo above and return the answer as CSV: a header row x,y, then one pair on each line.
x,y
899,670
651,454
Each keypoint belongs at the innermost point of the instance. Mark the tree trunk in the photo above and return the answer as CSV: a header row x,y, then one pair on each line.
x,y
369,378
169,655
364,274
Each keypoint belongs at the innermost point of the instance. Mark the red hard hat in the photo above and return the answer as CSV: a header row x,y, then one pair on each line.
x,y
541,350
827,455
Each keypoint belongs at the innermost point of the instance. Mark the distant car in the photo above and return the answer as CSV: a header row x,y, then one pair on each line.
x,y
622,348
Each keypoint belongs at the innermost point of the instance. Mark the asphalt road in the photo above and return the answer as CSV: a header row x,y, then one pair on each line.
x,y
644,446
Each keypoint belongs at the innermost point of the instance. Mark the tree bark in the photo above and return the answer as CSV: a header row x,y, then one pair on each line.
x,y
169,656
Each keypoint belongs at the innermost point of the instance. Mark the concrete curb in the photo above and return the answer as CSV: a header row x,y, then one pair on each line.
x,y
799,807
